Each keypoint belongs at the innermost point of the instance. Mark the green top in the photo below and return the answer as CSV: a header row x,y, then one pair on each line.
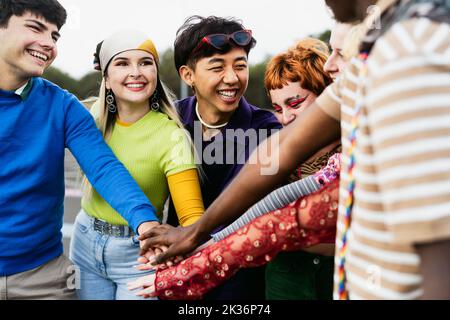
x,y
152,149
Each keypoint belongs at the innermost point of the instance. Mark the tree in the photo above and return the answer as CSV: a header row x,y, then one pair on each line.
x,y
168,73
256,93
84,88
62,79
89,85
324,36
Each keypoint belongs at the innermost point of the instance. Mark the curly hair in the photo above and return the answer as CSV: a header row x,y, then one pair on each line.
x,y
301,63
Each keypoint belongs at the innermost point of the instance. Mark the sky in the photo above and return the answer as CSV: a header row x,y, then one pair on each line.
x,y
276,24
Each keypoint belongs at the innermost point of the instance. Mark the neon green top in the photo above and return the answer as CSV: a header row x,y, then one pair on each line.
x,y
152,149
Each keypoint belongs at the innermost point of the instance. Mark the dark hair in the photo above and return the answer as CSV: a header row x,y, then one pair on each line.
x,y
50,10
192,32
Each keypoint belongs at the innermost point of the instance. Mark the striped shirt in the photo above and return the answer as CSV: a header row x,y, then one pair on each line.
x,y
402,173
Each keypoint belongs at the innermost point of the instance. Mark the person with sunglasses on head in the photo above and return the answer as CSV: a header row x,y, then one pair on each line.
x,y
211,56
293,80
136,115
40,120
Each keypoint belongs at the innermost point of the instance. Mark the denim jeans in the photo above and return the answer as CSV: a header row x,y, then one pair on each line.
x,y
106,263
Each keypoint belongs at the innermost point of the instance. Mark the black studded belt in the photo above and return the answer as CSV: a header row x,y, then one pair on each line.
x,y
108,229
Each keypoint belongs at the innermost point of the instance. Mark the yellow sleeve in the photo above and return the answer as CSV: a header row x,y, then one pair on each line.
x,y
186,196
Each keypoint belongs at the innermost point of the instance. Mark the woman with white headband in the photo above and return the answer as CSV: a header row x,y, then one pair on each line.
x,y
140,124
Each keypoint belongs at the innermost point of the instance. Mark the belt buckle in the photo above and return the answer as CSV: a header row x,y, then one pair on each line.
x,y
115,231
102,226
108,229
98,226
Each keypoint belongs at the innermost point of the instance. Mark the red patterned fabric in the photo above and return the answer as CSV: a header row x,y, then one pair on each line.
x,y
308,221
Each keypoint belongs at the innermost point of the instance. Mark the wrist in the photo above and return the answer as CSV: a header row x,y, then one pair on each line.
x,y
146,225
200,232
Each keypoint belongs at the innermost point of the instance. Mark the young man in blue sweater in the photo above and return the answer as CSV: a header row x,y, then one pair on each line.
x,y
39,120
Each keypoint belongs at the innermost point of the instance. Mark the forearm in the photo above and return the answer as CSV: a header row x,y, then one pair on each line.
x,y
305,223
435,269
186,195
250,247
106,174
286,195
297,142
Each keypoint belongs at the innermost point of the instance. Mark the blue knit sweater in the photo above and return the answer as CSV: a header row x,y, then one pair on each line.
x,y
34,133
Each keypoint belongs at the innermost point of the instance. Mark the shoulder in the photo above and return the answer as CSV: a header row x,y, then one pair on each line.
x,y
162,123
185,105
53,90
55,97
417,37
185,109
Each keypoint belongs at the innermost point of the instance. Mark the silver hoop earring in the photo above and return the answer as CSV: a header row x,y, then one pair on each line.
x,y
111,101
155,103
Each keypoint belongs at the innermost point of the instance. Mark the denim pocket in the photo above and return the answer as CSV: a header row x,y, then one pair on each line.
x,y
82,226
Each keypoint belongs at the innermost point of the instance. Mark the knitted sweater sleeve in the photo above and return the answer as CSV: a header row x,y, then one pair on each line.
x,y
106,174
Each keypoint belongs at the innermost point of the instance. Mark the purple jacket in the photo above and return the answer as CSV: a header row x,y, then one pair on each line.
x,y
219,164
247,283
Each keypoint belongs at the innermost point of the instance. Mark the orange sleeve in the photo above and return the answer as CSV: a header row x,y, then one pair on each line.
x,y
186,196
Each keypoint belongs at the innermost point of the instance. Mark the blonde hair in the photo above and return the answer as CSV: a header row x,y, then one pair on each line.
x,y
352,41
105,121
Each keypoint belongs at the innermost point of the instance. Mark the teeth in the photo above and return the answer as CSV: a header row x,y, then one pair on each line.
x,y
135,85
38,55
228,94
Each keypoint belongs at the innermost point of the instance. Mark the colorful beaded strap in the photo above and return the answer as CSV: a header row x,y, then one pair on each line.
x,y
349,197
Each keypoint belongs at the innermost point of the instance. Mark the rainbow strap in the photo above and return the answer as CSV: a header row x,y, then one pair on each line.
x,y
349,197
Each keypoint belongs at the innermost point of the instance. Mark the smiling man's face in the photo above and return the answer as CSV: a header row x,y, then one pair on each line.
x,y
28,46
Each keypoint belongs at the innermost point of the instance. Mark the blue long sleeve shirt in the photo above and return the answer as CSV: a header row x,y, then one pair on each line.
x,y
34,132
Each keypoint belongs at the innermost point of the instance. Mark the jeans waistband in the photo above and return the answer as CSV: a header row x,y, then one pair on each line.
x,y
109,229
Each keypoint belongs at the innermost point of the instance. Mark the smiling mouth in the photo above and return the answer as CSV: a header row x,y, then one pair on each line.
x,y
135,85
38,55
228,94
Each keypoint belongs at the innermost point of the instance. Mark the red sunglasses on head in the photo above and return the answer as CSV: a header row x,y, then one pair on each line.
x,y
219,41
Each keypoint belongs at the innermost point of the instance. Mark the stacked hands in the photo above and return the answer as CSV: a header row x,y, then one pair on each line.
x,y
306,222
156,256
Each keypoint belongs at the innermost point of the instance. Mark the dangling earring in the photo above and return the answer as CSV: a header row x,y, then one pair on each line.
x,y
111,101
155,103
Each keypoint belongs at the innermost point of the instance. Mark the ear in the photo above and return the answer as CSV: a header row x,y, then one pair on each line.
x,y
187,74
107,85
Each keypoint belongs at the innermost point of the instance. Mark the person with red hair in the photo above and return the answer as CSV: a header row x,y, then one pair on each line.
x,y
293,80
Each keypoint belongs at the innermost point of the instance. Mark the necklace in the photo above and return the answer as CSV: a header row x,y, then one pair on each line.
x,y
208,125
349,199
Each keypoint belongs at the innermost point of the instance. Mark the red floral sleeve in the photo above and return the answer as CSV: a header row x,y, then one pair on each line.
x,y
306,222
